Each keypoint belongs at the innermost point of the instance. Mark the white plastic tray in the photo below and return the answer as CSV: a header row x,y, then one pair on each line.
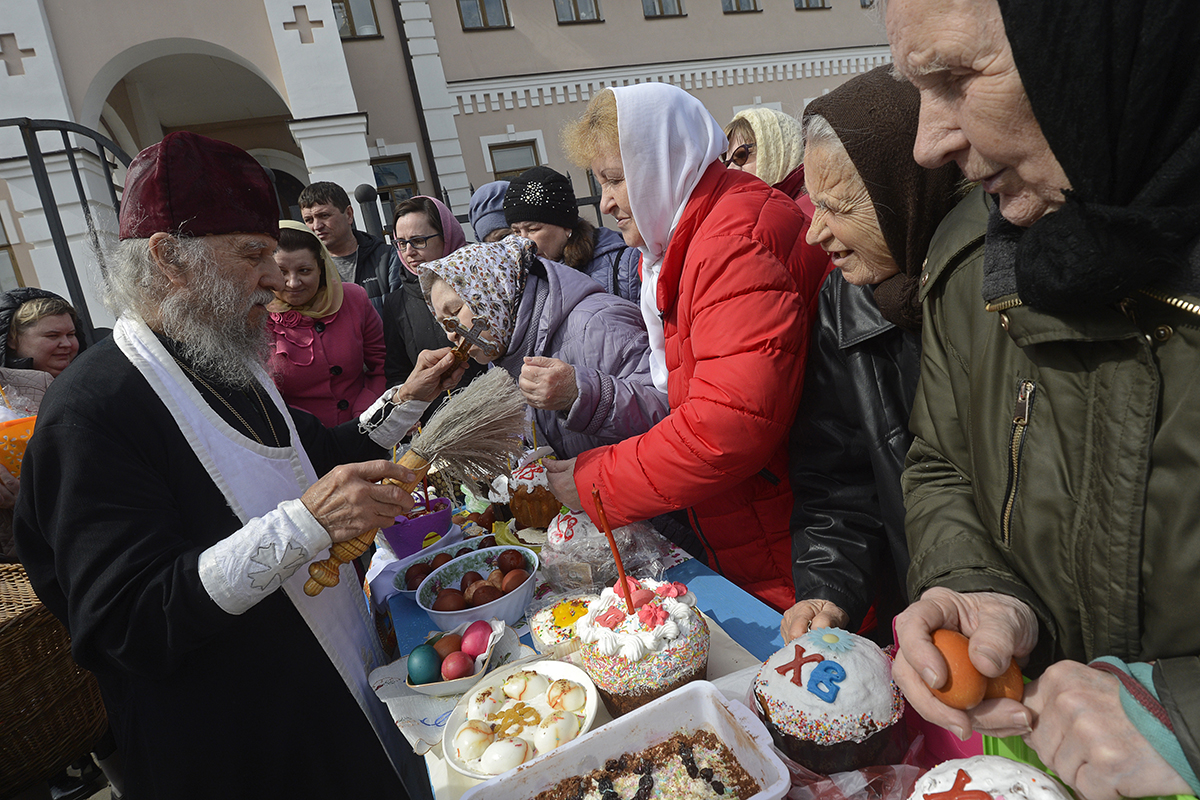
x,y
697,705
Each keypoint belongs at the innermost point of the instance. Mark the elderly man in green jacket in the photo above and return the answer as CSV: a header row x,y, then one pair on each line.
x,y
1052,508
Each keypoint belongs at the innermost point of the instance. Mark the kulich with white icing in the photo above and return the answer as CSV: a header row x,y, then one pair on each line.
x,y
530,476
555,624
1000,778
663,643
829,686
566,526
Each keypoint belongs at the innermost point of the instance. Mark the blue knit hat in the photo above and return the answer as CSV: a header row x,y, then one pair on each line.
x,y
486,212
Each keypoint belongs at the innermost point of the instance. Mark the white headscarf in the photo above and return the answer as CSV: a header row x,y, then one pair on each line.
x,y
667,140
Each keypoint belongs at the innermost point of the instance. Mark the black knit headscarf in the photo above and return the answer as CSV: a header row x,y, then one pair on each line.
x,y
1115,86
875,116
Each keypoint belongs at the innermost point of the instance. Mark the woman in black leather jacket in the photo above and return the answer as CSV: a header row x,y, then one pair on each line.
x,y
876,214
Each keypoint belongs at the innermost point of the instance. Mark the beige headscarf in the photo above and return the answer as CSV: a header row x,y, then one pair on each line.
x,y
779,144
328,298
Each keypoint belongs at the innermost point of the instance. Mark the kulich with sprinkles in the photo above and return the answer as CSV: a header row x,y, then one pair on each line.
x,y
553,627
987,778
829,701
635,658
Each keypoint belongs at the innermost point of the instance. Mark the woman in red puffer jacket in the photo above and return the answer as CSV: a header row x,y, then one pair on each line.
x,y
727,301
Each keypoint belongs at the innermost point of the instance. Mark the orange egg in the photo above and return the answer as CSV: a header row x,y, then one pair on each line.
x,y
1009,684
966,685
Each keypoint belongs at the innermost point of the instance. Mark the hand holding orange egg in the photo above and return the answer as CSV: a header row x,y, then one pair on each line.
x,y
966,687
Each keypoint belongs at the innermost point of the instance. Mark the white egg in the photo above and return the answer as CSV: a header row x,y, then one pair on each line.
x,y
565,695
484,703
472,738
558,728
504,754
526,685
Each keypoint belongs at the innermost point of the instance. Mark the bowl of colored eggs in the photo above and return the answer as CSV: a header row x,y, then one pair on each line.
x,y
453,661
408,579
490,583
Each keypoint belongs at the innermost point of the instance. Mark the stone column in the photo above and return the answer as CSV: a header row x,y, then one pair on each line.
x,y
32,85
440,106
331,131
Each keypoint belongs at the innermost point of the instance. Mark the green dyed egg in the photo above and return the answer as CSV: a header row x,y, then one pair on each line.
x,y
424,665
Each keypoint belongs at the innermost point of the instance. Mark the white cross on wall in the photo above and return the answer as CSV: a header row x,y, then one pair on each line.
x,y
301,23
13,55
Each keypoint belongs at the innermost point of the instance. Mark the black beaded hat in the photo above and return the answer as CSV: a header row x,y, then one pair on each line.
x,y
541,195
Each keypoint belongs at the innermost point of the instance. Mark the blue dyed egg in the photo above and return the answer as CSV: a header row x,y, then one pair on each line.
x,y
424,665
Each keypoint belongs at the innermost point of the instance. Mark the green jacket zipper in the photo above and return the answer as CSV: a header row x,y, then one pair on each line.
x,y
1016,443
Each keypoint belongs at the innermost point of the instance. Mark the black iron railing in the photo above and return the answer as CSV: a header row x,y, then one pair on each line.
x,y
29,129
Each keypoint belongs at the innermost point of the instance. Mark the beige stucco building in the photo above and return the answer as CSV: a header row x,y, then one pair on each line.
x,y
414,96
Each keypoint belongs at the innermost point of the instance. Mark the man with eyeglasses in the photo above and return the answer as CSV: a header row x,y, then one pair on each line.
x,y
360,257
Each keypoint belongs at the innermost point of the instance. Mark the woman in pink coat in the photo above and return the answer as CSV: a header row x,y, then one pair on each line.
x,y
329,349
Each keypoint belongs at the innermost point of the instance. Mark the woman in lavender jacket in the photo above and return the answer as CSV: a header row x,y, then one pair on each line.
x,y
580,355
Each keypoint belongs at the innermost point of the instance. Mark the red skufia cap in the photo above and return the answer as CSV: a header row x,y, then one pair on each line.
x,y
197,186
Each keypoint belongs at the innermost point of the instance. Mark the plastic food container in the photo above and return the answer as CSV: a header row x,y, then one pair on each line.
x,y
697,705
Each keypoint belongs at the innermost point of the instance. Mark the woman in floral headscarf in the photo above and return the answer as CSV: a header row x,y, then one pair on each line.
x,y
580,355
329,350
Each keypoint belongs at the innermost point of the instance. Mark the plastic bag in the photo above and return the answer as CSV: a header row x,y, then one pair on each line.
x,y
584,561
889,782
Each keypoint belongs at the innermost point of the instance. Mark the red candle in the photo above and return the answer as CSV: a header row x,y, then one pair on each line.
x,y
612,543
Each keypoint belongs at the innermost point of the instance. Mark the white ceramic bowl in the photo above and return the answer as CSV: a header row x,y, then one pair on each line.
x,y
427,555
553,670
510,607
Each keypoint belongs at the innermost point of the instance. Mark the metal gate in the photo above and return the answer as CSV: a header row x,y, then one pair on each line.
x,y
105,150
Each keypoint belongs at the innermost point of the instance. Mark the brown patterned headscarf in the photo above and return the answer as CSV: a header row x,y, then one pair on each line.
x,y
875,116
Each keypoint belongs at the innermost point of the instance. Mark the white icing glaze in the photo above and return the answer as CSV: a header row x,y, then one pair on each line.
x,y
1002,778
503,755
472,738
529,476
866,699
557,728
630,639
566,526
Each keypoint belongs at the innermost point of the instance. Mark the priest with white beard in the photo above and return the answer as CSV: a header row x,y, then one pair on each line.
x,y
171,502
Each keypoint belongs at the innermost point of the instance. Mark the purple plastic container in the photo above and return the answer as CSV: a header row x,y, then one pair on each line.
x,y
408,536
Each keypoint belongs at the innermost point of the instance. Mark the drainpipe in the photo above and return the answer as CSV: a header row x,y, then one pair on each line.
x,y
416,93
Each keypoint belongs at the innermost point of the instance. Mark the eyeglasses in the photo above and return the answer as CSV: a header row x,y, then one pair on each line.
x,y
741,155
417,242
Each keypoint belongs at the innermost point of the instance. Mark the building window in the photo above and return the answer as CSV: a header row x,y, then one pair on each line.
x,y
662,8
480,14
8,263
396,179
736,6
512,158
355,18
578,10
803,4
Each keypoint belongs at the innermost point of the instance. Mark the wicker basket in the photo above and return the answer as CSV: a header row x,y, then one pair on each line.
x,y
50,707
